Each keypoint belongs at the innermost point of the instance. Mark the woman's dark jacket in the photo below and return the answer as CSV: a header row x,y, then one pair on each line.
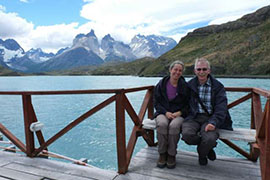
x,y
179,103
220,116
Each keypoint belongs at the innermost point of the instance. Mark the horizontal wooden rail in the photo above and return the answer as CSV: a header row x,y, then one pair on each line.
x,y
239,89
90,91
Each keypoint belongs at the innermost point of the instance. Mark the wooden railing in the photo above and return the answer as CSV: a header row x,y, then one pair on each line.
x,y
124,153
260,120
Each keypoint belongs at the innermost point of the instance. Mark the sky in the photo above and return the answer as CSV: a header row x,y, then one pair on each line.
x,y
53,24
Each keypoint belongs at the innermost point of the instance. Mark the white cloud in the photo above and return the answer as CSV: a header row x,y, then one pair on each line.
x,y
125,18
49,38
13,26
2,8
24,1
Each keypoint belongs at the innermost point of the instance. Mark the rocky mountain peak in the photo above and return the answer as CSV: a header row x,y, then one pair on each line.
x,y
91,33
11,44
108,37
151,45
88,41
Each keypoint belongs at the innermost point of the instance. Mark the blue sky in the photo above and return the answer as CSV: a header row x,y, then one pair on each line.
x,y
46,12
53,24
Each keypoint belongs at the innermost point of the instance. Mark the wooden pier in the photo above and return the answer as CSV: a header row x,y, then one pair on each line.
x,y
143,165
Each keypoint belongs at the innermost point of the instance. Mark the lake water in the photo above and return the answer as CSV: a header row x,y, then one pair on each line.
x,y
95,138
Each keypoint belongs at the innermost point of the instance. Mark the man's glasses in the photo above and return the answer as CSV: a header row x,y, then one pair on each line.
x,y
201,69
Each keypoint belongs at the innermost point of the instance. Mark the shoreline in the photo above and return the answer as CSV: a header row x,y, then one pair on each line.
x,y
237,76
186,76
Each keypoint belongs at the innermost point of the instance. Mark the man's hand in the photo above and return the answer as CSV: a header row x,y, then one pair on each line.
x,y
209,127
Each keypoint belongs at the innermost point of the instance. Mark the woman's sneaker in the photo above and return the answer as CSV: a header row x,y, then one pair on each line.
x,y
171,163
162,160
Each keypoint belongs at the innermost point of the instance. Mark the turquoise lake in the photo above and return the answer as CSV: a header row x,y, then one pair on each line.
x,y
95,137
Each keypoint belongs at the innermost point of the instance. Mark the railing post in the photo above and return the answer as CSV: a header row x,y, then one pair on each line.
x,y
121,134
151,133
265,155
28,120
256,116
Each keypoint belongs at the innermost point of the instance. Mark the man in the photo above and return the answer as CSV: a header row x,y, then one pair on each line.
x,y
208,112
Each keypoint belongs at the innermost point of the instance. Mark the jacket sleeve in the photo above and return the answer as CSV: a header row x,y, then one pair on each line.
x,y
185,109
220,108
157,100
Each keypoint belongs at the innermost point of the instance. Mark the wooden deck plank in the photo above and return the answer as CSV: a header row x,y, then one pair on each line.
x,y
17,175
50,168
144,164
51,174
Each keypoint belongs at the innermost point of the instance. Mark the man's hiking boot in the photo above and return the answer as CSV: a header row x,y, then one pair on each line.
x,y
212,155
203,161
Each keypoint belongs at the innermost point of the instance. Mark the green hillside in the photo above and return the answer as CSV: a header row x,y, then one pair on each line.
x,y
7,72
241,47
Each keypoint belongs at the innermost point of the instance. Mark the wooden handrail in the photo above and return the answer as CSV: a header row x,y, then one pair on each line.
x,y
90,91
260,120
261,92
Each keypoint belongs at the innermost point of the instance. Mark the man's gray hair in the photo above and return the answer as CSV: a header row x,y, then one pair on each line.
x,y
177,62
201,60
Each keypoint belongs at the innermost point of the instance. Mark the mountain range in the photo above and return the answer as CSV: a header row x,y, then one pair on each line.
x,y
86,50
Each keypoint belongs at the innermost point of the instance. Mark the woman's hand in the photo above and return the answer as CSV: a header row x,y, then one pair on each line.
x,y
171,115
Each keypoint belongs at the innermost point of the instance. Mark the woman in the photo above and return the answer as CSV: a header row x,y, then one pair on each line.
x,y
171,103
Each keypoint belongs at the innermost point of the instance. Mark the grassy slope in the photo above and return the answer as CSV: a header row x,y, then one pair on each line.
x,y
241,52
7,72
